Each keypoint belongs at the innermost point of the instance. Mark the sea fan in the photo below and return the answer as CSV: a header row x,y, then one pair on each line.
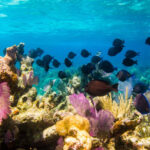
x,y
4,101
101,121
82,105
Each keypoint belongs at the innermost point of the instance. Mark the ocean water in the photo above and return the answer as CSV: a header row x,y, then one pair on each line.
x,y
64,25
61,26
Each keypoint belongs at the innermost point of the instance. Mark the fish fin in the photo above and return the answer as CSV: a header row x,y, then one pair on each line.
x,y
136,62
115,87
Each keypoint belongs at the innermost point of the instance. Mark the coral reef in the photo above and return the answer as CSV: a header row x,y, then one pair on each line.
x,y
75,130
32,121
7,68
119,109
4,101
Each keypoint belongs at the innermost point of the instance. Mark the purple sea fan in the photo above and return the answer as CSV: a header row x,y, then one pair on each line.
x,y
105,120
4,101
102,123
82,105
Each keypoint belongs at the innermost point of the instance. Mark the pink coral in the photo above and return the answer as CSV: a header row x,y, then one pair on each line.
x,y
101,121
82,105
4,101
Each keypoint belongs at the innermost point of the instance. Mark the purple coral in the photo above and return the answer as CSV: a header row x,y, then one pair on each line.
x,y
101,121
81,105
4,101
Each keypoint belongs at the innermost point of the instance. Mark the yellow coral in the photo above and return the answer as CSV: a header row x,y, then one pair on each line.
x,y
63,126
143,130
119,110
75,129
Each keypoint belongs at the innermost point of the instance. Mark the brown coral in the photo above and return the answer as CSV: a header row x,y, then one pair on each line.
x,y
7,68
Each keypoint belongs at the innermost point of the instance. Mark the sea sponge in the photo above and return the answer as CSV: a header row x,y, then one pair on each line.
x,y
75,129
63,126
7,67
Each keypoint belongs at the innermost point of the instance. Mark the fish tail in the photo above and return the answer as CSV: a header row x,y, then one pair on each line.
x,y
115,87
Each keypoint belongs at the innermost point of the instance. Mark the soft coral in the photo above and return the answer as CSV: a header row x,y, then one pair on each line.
x,y
4,101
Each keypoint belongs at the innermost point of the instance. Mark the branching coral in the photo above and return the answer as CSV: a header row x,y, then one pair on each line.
x,y
4,101
119,110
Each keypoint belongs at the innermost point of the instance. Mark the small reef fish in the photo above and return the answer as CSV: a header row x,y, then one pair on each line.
x,y
85,53
47,58
129,62
40,62
71,55
131,54
106,66
67,62
113,51
100,88
34,53
123,75
142,104
96,59
44,62
140,88
56,63
88,68
118,43
62,75
147,41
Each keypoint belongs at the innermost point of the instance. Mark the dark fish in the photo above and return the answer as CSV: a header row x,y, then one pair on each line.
x,y
87,69
142,104
96,59
56,63
113,51
67,62
118,43
47,58
129,62
43,64
40,62
46,67
62,74
147,41
123,75
100,88
140,88
34,53
131,54
106,66
71,55
85,53
39,51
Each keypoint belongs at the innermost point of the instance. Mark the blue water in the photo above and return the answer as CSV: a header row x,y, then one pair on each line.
x,y
58,26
